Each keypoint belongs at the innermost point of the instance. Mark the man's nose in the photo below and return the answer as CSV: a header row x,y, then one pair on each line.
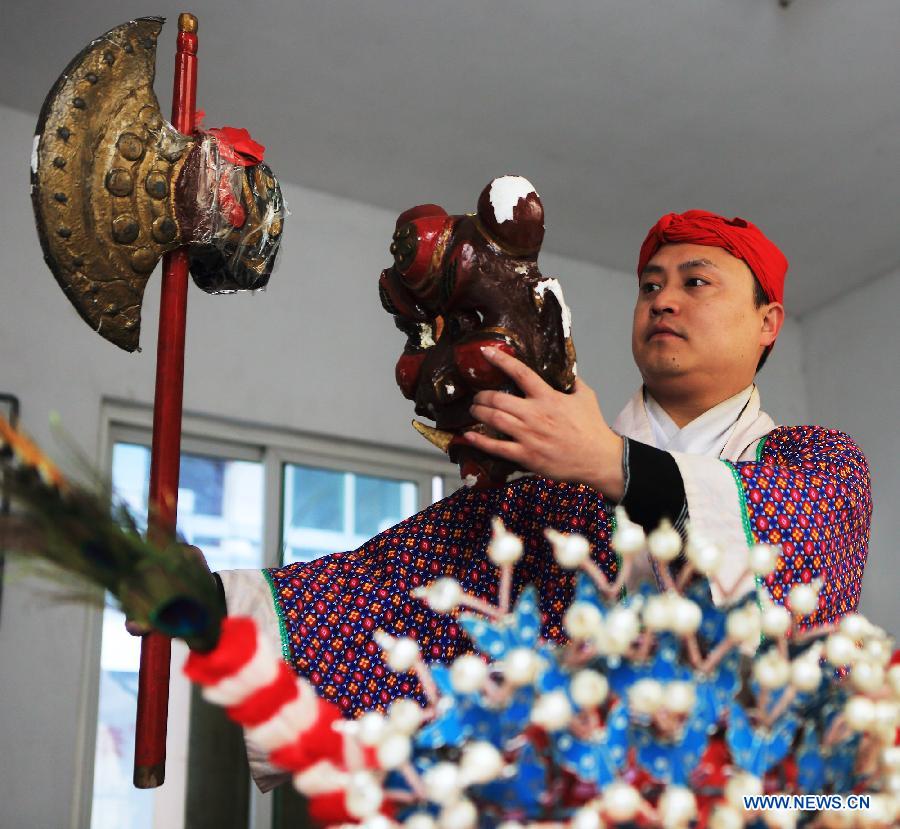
x,y
664,301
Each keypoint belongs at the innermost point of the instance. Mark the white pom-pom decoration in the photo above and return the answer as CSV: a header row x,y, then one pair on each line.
x,y
394,750
840,650
867,676
570,550
744,624
405,715
420,821
645,697
883,811
781,819
686,617
806,675
589,688
803,599
481,762
679,697
402,654
855,626
658,612
442,595
582,621
677,807
893,678
364,795
860,713
703,554
371,728
878,650
886,715
468,673
622,628
585,818
552,711
459,815
621,802
762,559
726,817
772,670
664,542
504,547
442,782
520,667
775,620
629,538
742,785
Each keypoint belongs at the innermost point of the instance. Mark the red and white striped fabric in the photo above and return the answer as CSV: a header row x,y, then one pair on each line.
x,y
283,714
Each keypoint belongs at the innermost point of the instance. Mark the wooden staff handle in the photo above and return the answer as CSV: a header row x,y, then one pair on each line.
x,y
165,454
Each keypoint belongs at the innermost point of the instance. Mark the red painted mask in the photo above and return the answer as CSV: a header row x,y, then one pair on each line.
x,y
462,282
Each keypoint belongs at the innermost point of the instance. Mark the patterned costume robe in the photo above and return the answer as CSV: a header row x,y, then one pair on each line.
x,y
805,488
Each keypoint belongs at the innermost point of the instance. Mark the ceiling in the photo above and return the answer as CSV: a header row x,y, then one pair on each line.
x,y
617,110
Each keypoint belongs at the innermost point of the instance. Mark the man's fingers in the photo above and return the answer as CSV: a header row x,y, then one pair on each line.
x,y
507,449
195,553
527,380
580,387
513,404
136,628
499,420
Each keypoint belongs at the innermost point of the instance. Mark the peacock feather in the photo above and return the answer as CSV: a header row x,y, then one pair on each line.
x,y
93,537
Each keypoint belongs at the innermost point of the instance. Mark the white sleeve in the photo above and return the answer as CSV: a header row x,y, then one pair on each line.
x,y
715,510
247,593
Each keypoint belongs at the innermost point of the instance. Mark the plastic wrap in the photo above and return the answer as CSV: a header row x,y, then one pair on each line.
x,y
231,206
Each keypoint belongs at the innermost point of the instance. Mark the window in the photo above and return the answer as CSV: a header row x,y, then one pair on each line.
x,y
220,509
326,511
248,497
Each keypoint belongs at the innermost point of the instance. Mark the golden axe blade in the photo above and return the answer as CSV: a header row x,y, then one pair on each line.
x,y
103,174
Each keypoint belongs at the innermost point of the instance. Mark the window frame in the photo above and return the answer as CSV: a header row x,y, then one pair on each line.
x,y
274,447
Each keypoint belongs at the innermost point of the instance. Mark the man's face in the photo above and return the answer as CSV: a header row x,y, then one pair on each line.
x,y
695,319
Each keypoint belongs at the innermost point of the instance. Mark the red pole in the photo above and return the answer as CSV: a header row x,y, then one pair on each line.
x,y
165,454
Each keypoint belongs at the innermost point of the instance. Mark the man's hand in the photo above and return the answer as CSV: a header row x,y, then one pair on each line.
x,y
189,551
557,435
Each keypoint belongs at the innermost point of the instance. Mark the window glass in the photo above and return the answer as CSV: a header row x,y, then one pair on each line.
x,y
328,511
315,497
220,509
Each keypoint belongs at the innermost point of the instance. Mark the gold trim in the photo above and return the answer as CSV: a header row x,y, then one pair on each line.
x,y
440,247
187,23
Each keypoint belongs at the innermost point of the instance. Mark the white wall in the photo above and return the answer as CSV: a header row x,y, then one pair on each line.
x,y
852,353
315,352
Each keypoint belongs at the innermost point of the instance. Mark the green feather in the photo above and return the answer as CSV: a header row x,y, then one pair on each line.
x,y
89,534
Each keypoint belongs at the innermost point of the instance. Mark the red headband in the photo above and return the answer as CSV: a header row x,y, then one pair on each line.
x,y
738,237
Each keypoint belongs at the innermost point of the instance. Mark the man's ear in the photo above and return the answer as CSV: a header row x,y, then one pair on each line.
x,y
772,322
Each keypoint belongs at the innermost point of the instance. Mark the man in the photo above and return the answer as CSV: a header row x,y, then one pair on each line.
x,y
692,443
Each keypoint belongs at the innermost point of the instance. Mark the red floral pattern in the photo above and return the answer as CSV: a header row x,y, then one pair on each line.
x,y
810,495
331,606
809,492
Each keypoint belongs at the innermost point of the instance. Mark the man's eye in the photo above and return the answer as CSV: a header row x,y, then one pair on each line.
x,y
695,282
649,287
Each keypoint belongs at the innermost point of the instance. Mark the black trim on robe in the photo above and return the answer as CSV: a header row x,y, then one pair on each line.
x,y
653,486
220,589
